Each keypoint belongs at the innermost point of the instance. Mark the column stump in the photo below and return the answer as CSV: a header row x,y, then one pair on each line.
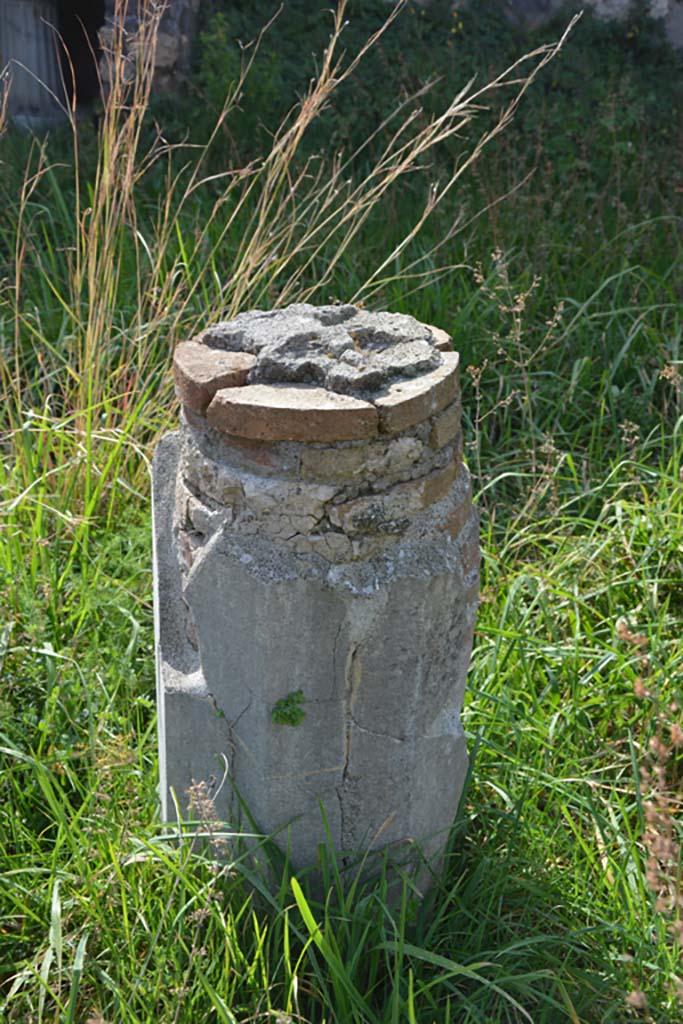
x,y
317,578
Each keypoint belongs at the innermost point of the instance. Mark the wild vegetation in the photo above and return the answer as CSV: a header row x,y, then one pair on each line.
x,y
554,259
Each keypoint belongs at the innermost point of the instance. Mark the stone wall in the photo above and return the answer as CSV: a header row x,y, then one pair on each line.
x,y
174,42
179,22
29,59
29,49
608,9
536,11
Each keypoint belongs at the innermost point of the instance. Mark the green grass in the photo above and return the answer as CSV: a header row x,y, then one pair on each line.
x,y
559,898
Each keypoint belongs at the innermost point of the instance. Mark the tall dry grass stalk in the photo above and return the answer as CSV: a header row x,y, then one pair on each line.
x,y
121,288
4,100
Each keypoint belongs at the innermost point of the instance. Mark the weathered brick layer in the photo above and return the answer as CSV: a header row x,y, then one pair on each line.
x,y
277,412
200,372
226,385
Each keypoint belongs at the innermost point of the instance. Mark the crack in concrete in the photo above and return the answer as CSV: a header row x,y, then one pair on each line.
x,y
241,714
352,678
230,723
335,650
309,774
214,704
352,674
376,732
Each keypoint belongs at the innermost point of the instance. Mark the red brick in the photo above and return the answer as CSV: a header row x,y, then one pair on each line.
x,y
444,342
409,402
437,485
295,412
201,371
446,426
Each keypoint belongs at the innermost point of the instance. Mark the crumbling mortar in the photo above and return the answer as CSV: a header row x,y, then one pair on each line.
x,y
243,512
383,485
210,503
218,447
251,519
360,547
226,460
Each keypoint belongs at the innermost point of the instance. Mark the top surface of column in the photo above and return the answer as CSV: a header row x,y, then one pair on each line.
x,y
326,373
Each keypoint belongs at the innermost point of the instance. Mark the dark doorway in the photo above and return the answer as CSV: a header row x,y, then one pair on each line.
x,y
79,21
